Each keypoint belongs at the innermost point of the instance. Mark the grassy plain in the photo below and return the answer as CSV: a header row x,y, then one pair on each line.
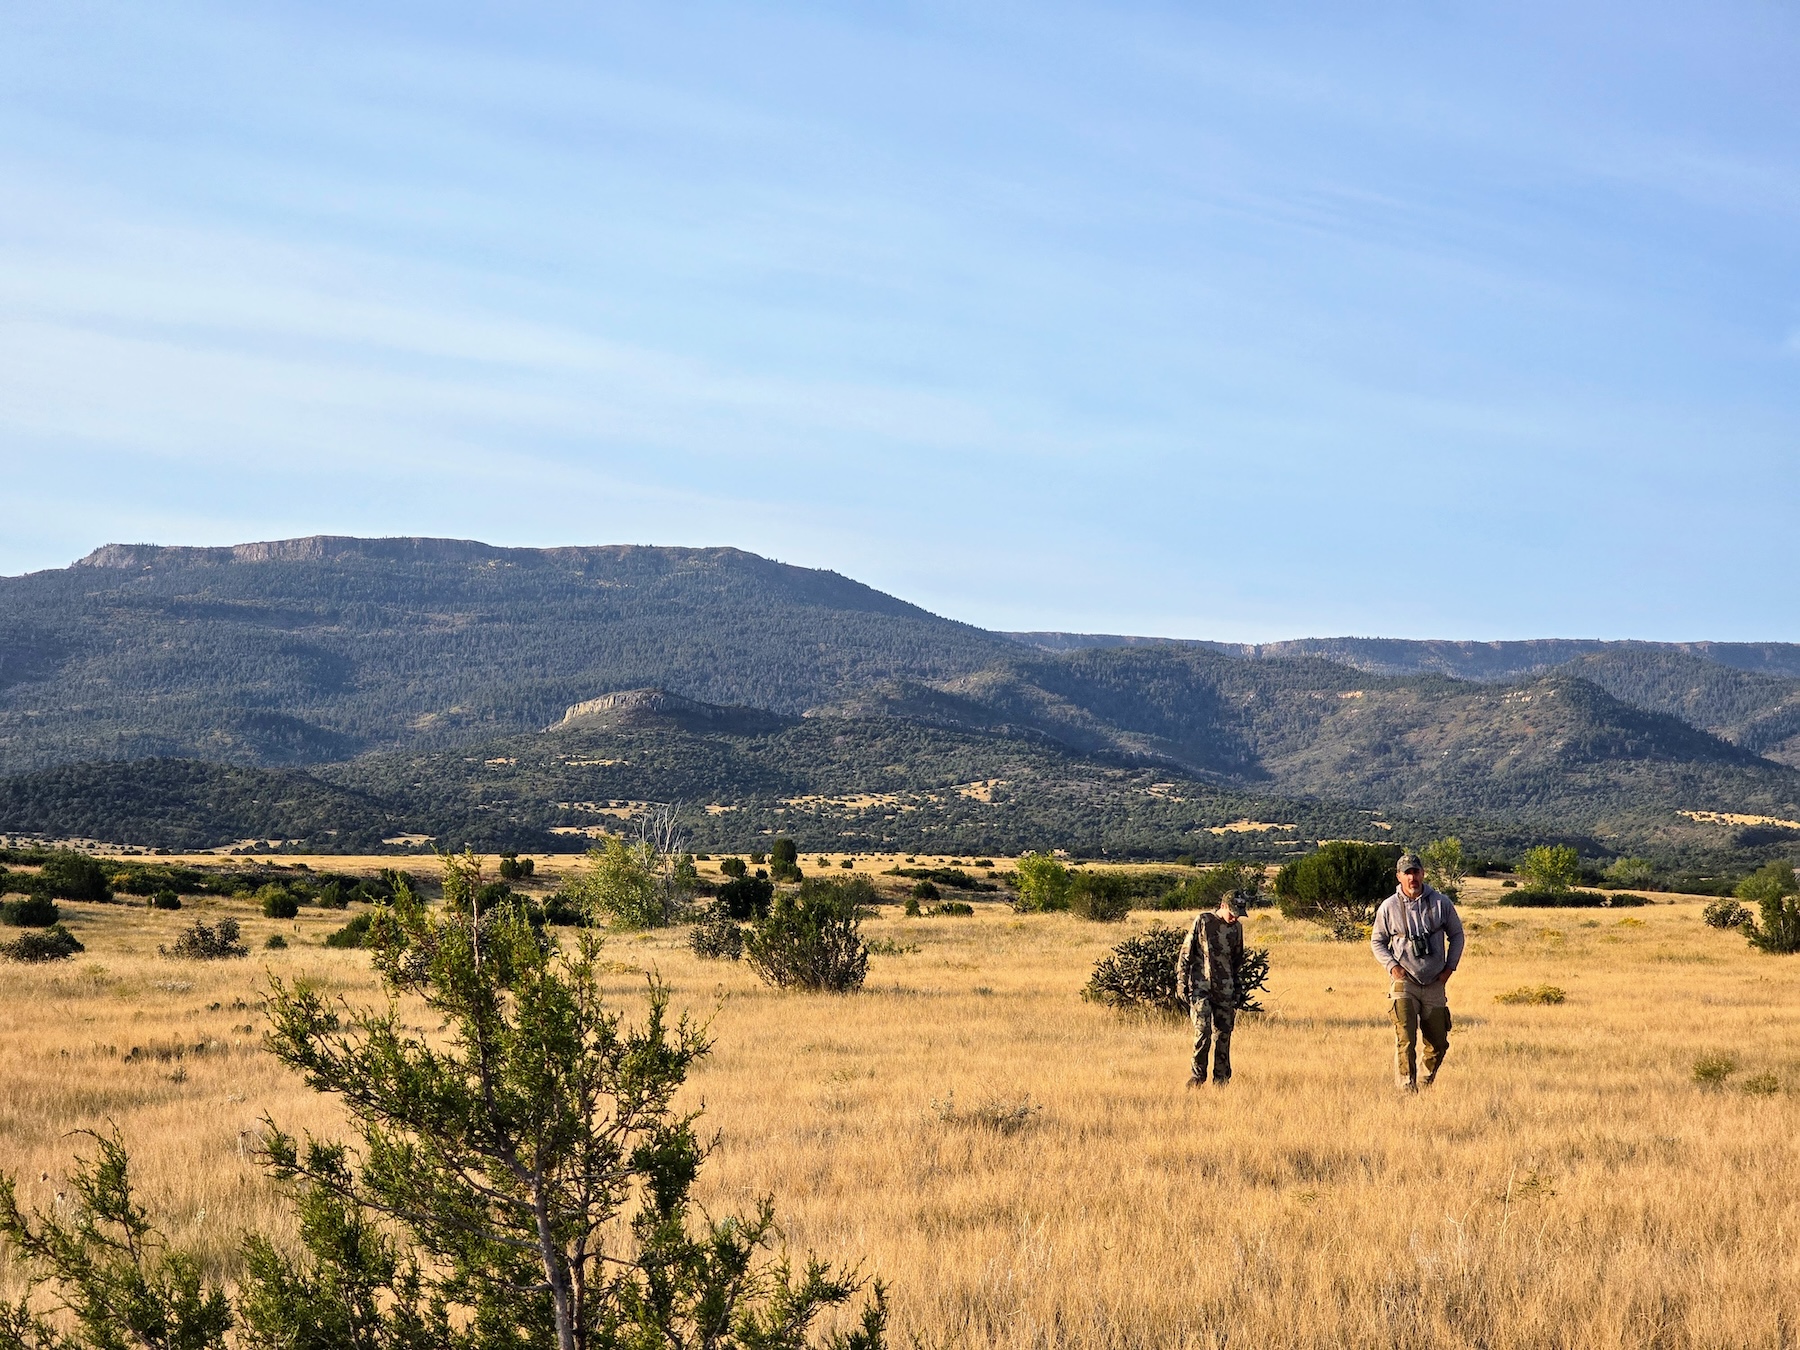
x,y
1027,1170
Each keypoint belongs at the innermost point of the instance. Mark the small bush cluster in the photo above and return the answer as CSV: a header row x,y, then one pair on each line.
x,y
1533,994
1726,914
54,943
563,910
951,909
1241,879
1711,1070
746,897
207,942
812,938
716,937
1775,891
164,899
34,911
1042,884
515,868
1102,897
1139,974
66,875
953,877
352,935
278,903
1339,886
1538,897
784,860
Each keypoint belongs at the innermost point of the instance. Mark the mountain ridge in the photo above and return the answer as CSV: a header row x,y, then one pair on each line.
x,y
373,664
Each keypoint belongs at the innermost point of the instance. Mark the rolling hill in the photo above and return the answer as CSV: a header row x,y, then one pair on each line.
x,y
313,650
455,689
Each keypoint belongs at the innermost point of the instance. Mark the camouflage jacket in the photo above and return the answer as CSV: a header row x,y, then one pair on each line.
x,y
1207,966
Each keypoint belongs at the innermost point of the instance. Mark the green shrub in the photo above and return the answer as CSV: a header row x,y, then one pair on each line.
x,y
1338,886
206,942
279,904
716,937
54,943
1445,865
953,877
811,939
732,867
34,911
1551,867
924,890
433,1224
165,899
564,910
634,885
784,853
912,910
494,895
1726,914
1102,897
1538,898
276,943
1139,973
515,868
334,894
1778,931
1711,1070
1241,879
1762,1084
951,909
353,934
67,875
846,864
1771,881
759,858
746,897
1043,884
1631,872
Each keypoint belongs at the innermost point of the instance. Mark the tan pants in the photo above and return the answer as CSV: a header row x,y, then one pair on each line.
x,y
1419,1008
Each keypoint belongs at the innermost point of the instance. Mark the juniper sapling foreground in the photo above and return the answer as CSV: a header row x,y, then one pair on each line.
x,y
522,1182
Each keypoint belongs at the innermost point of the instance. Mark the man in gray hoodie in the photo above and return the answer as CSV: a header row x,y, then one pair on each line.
x,y
1418,939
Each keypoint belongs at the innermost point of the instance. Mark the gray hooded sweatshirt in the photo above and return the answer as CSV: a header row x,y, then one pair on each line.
x,y
1431,917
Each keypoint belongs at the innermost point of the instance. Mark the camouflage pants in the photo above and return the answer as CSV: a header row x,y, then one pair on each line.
x,y
1417,1009
1214,1019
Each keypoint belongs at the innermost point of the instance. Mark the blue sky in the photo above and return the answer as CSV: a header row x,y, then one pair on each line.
x,y
1231,321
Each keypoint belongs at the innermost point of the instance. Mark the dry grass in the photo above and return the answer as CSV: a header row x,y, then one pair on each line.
x,y
1028,1170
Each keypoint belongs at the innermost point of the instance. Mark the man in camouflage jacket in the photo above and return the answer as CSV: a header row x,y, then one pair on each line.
x,y
1206,980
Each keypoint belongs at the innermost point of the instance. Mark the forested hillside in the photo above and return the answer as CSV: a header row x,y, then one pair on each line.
x,y
415,680
317,649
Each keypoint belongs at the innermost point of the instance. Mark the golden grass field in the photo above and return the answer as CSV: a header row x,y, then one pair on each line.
x,y
1025,1169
